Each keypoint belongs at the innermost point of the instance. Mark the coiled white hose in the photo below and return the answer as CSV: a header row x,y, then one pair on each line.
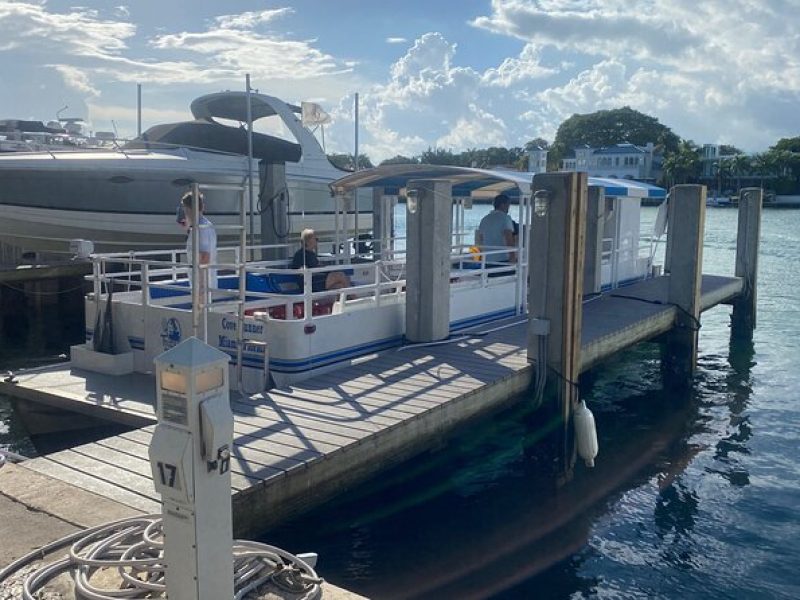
x,y
133,548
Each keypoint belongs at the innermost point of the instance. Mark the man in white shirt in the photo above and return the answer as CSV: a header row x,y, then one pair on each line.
x,y
206,234
497,229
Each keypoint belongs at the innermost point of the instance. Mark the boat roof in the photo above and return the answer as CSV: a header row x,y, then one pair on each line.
x,y
468,181
210,135
233,105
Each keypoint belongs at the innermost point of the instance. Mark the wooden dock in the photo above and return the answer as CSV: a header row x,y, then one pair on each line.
x,y
296,448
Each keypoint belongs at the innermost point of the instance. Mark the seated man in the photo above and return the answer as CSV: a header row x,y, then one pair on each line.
x,y
306,257
497,229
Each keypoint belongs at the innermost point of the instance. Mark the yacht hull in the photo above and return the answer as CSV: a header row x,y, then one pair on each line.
x,y
127,201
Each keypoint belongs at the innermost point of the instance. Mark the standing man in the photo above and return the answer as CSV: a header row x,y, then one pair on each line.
x,y
497,229
207,237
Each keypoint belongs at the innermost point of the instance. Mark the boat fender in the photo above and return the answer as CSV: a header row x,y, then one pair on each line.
x,y
585,433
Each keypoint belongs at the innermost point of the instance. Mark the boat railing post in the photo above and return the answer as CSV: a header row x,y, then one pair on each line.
x,y
96,286
378,265
348,247
195,258
378,225
338,200
307,291
145,285
685,278
743,319
251,197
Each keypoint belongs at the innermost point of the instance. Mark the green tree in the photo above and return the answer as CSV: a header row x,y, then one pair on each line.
x,y
609,127
438,156
345,161
400,160
740,165
764,166
684,165
722,171
537,143
726,150
786,154
788,144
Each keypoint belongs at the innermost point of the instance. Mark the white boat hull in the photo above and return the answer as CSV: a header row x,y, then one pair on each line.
x,y
46,201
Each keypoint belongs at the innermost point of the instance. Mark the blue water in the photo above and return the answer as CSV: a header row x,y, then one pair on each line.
x,y
695,494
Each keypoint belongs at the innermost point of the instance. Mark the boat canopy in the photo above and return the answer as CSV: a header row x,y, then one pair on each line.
x,y
473,182
209,135
233,105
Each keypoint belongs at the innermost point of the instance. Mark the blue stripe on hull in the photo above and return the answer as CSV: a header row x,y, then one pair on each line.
x,y
331,358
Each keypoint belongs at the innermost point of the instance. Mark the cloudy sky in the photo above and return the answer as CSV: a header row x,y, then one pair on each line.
x,y
454,74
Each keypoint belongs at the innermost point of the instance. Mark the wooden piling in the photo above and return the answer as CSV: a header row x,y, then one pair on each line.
x,y
743,319
685,234
556,259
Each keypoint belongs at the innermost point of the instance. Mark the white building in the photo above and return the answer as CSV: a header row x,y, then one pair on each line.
x,y
537,160
621,161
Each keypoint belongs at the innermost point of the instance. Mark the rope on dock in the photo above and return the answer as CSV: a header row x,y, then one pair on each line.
x,y
696,325
134,549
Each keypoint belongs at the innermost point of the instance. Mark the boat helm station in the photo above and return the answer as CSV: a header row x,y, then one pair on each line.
x,y
274,325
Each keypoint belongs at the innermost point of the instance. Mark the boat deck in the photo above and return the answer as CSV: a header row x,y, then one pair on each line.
x,y
326,433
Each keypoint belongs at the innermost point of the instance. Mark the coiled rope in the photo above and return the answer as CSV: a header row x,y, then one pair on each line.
x,y
134,549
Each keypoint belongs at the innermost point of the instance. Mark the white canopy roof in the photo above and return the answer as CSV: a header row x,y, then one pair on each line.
x,y
467,181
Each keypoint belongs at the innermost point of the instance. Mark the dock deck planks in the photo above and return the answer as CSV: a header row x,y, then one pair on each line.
x,y
332,430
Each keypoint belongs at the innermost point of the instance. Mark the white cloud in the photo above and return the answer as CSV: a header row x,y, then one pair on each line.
x,y
80,33
248,20
234,49
593,26
701,68
477,129
427,101
76,79
718,70
514,70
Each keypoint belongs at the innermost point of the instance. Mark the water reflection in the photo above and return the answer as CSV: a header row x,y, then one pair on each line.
x,y
482,518
35,330
738,391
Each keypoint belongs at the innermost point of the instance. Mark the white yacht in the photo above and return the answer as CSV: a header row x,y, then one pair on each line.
x,y
125,198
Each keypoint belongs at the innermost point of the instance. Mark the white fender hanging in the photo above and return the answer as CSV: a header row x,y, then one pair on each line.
x,y
585,433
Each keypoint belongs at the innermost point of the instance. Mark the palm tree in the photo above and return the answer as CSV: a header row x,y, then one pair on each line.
x,y
722,169
763,165
740,164
683,165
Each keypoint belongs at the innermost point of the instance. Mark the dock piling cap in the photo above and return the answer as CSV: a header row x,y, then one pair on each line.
x,y
191,353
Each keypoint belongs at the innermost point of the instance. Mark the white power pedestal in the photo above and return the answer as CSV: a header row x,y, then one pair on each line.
x,y
190,460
